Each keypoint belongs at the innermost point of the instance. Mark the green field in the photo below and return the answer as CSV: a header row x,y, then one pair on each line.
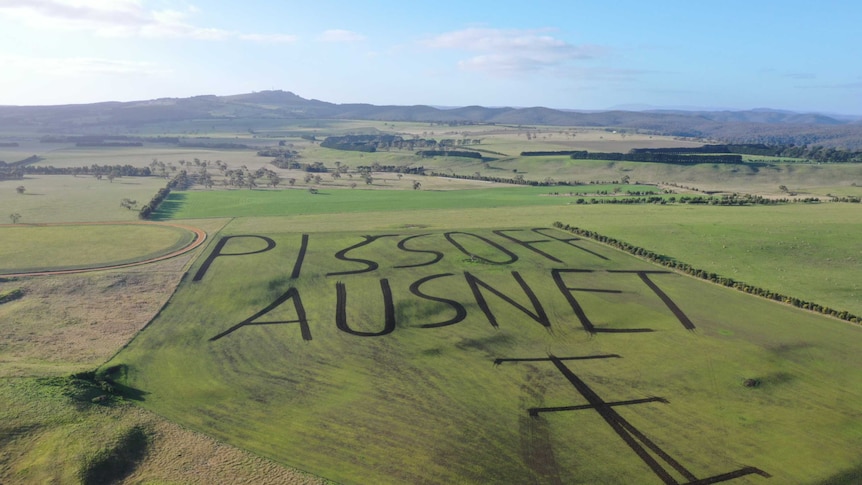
x,y
25,248
354,333
246,203
59,198
428,404
806,251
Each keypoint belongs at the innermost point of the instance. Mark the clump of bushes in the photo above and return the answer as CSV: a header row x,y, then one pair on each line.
x,y
11,295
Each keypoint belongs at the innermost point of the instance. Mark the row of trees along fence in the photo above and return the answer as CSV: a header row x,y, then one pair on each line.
x,y
724,200
391,169
448,153
118,170
653,157
181,181
719,153
709,276
372,143
19,169
815,153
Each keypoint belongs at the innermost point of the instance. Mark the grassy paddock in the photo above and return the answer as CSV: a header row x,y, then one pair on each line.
x,y
65,198
143,156
805,251
238,203
429,403
26,248
763,177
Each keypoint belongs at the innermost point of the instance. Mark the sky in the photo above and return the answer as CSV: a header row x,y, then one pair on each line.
x,y
572,54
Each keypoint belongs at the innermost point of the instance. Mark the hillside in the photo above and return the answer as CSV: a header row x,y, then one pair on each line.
x,y
752,126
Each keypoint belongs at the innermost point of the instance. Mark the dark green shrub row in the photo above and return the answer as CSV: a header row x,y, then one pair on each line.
x,y
179,182
448,153
391,169
725,200
118,170
706,275
674,158
814,153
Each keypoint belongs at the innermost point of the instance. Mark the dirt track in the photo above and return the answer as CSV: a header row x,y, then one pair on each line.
x,y
200,237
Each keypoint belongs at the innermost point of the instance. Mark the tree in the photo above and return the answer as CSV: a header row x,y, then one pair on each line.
x,y
417,185
20,189
783,188
14,216
369,179
274,179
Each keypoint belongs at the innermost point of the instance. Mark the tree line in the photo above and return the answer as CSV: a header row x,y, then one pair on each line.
x,y
707,275
724,200
376,167
653,157
180,181
372,143
95,169
716,153
448,153
816,153
16,170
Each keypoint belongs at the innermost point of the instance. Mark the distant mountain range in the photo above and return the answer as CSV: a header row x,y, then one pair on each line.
x,y
751,126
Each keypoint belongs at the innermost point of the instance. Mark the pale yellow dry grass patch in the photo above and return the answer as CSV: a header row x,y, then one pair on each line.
x,y
179,455
70,323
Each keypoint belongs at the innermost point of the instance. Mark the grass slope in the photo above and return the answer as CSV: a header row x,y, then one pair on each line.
x,y
429,405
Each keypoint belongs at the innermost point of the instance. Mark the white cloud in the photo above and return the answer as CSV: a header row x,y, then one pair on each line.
x,y
339,35
510,51
80,66
120,18
269,38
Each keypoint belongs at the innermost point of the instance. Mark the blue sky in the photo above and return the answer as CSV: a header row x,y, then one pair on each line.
x,y
574,54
